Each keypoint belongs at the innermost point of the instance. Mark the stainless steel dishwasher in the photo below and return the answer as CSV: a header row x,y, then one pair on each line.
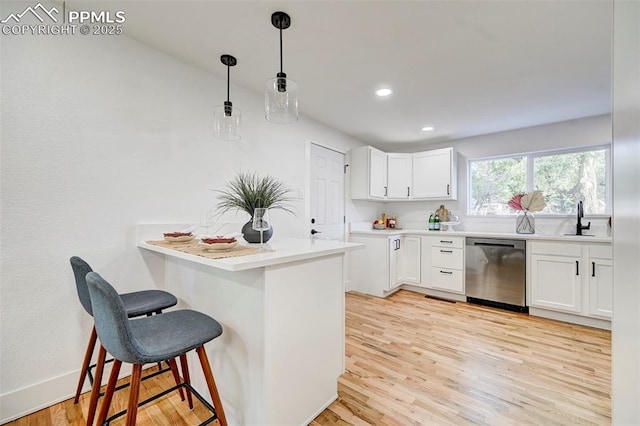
x,y
495,273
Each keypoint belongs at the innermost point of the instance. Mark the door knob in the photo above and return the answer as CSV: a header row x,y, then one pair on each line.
x,y
314,232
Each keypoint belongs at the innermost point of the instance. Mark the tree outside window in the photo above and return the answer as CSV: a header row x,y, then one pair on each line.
x,y
564,178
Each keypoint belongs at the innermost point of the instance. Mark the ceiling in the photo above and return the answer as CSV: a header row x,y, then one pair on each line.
x,y
466,68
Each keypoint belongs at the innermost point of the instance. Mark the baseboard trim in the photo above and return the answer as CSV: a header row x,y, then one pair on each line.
x,y
35,397
320,410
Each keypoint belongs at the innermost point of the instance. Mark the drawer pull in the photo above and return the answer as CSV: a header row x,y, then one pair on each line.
x,y
446,242
446,251
446,272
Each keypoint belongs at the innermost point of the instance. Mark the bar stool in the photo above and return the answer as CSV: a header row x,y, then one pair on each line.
x,y
138,303
150,340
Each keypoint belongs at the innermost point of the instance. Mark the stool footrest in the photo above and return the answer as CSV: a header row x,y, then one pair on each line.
x,y
165,392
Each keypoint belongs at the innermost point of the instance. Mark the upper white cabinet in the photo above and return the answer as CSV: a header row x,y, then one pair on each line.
x,y
434,175
368,173
399,176
429,175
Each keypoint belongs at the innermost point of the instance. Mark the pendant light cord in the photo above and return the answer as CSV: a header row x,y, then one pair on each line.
x,y
281,50
228,78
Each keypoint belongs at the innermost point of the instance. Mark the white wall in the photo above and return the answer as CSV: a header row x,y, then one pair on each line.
x,y
99,134
575,133
626,228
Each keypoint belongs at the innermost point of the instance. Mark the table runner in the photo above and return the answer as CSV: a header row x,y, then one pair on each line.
x,y
192,247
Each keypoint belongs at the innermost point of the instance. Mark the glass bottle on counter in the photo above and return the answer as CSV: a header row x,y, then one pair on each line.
x,y
436,222
431,222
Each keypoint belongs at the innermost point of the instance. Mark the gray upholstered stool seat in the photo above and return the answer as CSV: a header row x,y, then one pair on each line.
x,y
166,336
146,302
149,340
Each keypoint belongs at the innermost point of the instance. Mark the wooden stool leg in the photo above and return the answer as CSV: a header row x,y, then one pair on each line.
x,y
187,378
211,384
97,381
134,393
85,364
108,395
176,376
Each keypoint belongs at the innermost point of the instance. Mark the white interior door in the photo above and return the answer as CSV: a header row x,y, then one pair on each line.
x,y
326,170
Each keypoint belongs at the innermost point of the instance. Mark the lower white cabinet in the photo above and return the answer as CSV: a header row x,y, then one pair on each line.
x,y
385,263
443,263
573,278
395,263
600,281
411,256
376,269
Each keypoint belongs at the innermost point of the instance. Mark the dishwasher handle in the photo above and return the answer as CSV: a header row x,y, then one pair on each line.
x,y
493,242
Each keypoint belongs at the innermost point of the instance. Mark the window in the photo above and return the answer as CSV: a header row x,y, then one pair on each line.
x,y
563,177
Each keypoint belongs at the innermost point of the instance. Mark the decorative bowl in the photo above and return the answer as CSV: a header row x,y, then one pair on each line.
x,y
178,237
378,226
217,246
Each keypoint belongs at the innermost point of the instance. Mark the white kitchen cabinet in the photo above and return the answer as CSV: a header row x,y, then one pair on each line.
x,y
411,256
368,168
443,258
435,175
399,176
574,278
376,269
429,175
395,262
600,281
556,283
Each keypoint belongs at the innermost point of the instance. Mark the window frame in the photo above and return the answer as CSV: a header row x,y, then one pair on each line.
x,y
530,178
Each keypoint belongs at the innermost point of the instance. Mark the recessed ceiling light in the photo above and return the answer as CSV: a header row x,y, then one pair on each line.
x,y
384,92
427,128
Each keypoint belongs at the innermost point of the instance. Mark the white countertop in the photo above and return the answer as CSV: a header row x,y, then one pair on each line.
x,y
285,250
510,235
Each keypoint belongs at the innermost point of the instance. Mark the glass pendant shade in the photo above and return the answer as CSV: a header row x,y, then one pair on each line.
x,y
281,101
226,122
226,118
281,97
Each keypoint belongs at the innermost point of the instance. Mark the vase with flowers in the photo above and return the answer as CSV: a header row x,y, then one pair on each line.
x,y
248,191
525,204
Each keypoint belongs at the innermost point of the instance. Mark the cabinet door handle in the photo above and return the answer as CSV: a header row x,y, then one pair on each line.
x,y
446,251
593,269
446,272
385,191
577,268
398,244
408,192
448,190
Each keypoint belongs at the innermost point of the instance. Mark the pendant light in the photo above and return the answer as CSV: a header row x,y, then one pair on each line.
x,y
281,98
226,118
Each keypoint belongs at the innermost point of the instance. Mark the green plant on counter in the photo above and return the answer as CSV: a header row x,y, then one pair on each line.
x,y
248,191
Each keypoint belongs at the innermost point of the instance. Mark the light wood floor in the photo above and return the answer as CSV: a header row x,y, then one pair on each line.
x,y
418,361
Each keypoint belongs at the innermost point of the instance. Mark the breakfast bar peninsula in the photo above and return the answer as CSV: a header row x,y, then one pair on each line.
x,y
282,312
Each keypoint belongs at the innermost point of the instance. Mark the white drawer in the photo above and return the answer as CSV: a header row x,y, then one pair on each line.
x,y
560,249
445,257
447,279
444,241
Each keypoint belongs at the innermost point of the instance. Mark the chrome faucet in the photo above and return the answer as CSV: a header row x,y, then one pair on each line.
x,y
579,226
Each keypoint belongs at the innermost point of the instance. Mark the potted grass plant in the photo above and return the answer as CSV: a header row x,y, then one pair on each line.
x,y
248,191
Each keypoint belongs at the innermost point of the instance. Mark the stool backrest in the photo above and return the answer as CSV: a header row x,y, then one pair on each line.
x,y
80,270
111,321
